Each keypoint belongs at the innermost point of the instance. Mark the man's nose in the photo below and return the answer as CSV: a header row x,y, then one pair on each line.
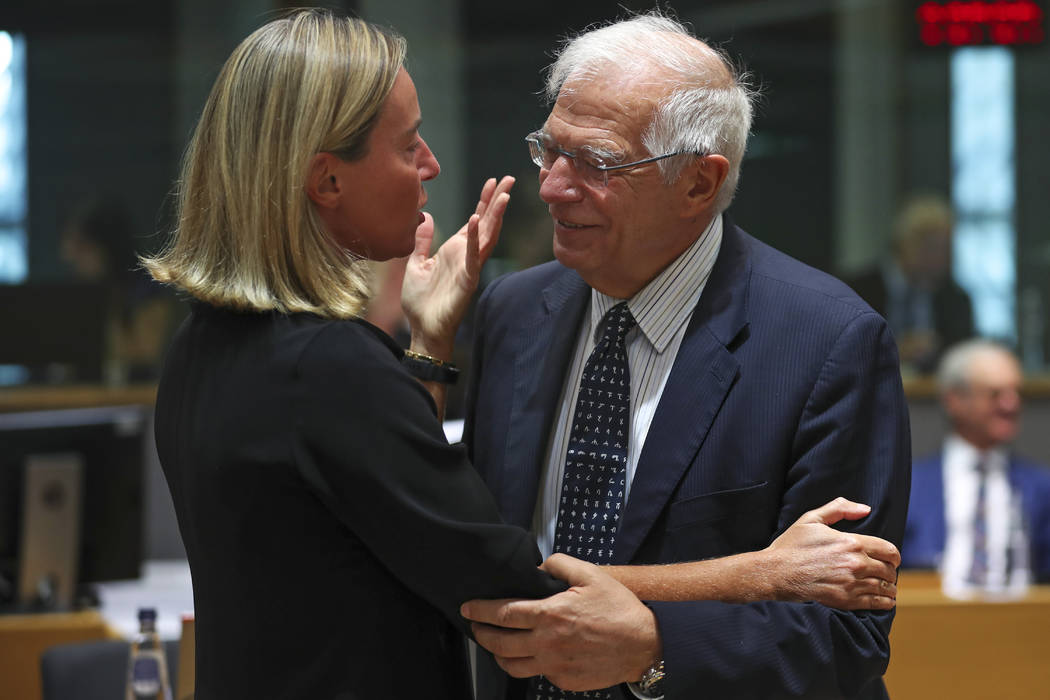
x,y
1009,399
560,182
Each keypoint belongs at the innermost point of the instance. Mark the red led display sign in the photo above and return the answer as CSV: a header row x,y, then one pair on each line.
x,y
962,23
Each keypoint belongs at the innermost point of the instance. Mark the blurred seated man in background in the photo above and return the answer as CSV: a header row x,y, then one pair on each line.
x,y
978,512
914,290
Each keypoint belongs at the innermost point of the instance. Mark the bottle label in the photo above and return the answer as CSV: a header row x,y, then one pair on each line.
x,y
145,677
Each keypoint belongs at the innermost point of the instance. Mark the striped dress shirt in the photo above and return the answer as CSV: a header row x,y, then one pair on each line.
x,y
662,309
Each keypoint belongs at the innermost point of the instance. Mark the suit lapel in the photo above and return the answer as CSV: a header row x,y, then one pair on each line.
x,y
543,351
937,508
703,373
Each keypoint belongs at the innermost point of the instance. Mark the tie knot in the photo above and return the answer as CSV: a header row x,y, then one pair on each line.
x,y
618,322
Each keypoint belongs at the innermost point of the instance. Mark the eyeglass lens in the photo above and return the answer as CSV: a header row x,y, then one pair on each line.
x,y
545,154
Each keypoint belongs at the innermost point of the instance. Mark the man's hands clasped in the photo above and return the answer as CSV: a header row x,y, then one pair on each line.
x,y
595,635
598,633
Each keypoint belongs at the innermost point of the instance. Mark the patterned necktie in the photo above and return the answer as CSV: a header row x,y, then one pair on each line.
x,y
979,565
595,464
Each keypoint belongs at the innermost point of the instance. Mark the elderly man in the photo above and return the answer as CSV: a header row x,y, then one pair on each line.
x,y
980,513
671,390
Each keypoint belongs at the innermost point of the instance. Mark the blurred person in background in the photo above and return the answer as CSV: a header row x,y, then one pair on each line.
x,y
914,290
98,244
980,513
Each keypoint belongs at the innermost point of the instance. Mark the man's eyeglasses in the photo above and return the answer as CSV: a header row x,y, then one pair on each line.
x,y
589,165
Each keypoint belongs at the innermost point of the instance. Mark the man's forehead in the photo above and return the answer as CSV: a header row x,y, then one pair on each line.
x,y
603,108
994,368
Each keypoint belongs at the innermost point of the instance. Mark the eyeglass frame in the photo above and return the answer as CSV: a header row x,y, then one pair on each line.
x,y
537,158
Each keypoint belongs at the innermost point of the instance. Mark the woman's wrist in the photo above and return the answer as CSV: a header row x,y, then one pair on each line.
x,y
438,348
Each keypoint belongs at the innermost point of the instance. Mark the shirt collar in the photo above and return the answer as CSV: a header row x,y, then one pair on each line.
x,y
666,302
995,459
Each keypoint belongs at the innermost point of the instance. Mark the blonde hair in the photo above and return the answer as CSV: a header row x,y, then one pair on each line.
x,y
920,217
246,235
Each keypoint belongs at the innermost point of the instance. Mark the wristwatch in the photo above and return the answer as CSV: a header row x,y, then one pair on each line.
x,y
651,686
429,369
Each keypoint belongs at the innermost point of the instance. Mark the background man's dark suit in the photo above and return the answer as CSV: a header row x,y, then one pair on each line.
x,y
785,394
926,531
952,310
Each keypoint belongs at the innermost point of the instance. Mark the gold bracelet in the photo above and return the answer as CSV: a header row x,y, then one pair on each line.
x,y
428,358
429,369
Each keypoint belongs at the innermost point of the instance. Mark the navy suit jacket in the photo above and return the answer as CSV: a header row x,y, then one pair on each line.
x,y
926,530
785,393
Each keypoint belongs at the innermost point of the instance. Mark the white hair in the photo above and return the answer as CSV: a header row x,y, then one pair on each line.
x,y
706,110
953,372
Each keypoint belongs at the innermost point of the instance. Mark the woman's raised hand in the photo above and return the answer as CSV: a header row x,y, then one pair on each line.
x,y
438,288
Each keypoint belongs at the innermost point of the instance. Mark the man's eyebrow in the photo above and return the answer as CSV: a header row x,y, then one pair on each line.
x,y
603,153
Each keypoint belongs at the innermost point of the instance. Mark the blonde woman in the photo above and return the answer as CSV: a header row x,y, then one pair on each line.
x,y
332,532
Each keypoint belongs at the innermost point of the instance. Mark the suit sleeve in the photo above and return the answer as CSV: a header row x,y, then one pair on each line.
x,y
371,448
477,360
852,438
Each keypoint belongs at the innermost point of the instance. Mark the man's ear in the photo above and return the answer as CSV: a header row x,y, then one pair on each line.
x,y
702,179
322,181
953,401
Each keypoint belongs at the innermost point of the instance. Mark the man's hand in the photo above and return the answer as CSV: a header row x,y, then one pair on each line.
x,y
811,561
594,635
437,289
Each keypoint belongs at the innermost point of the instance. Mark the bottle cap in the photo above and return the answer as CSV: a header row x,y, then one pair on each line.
x,y
147,614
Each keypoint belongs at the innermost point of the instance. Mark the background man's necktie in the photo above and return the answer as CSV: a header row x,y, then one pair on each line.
x,y
979,565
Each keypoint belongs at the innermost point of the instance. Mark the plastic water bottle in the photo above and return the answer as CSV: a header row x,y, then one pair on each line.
x,y
147,665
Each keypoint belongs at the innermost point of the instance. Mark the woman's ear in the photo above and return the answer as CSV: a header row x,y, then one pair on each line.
x,y
322,182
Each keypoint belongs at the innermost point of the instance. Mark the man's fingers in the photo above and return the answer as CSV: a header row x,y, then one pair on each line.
x,y
880,549
505,643
888,574
836,510
887,589
874,594
571,570
524,667
503,612
877,560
